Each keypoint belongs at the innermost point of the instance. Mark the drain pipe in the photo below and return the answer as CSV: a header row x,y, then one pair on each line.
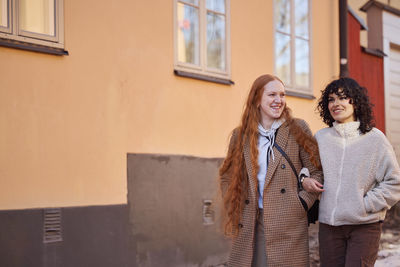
x,y
344,68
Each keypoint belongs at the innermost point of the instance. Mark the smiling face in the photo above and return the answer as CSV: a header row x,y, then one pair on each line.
x,y
340,108
272,103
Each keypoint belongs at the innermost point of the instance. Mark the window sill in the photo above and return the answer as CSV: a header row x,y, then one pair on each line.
x,y
375,52
203,77
33,47
300,95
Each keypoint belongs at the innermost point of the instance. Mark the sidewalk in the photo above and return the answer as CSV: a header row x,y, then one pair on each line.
x,y
389,248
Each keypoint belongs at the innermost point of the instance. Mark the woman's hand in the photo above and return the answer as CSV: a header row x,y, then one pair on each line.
x,y
312,186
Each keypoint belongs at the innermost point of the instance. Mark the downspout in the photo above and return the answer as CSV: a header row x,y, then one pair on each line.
x,y
344,68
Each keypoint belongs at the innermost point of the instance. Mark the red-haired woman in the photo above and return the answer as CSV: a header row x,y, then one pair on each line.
x,y
265,213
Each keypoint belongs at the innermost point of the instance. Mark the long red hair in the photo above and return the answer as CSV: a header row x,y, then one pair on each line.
x,y
234,163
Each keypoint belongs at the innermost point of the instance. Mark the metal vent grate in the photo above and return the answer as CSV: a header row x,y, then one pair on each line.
x,y
208,212
52,225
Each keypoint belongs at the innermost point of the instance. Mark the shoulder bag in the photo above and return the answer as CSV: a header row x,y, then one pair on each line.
x,y
312,213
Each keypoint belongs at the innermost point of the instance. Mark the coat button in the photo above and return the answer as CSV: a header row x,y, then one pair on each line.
x,y
247,201
283,190
283,166
240,225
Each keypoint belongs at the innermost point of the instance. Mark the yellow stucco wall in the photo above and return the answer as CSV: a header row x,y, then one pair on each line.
x,y
67,123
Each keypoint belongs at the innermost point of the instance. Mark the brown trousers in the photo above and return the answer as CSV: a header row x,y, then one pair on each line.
x,y
349,245
259,255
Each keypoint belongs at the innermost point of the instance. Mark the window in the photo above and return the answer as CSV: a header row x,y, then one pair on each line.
x,y
4,16
292,44
38,23
202,37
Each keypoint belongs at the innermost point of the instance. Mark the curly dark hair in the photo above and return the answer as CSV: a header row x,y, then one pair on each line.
x,y
358,97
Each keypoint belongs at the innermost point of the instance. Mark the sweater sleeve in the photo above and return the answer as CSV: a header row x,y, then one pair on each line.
x,y
386,191
315,173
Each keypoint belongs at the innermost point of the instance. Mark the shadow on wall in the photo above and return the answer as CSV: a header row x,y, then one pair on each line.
x,y
174,211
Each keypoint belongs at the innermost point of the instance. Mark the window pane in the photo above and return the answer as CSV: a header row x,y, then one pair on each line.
x,y
188,34
216,41
301,10
282,15
282,57
4,13
302,63
37,16
216,5
193,2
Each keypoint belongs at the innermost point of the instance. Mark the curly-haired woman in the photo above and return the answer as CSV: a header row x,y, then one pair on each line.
x,y
361,177
264,211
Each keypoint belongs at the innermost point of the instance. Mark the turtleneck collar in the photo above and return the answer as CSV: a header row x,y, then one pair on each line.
x,y
348,129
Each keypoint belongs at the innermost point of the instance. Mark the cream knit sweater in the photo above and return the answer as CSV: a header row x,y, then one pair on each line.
x,y
361,175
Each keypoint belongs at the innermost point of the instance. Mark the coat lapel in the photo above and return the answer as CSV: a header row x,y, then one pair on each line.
x,y
281,139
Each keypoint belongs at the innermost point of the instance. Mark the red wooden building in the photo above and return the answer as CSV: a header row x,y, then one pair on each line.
x,y
366,67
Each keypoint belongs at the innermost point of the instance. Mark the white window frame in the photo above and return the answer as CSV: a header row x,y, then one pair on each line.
x,y
202,68
14,33
8,11
292,87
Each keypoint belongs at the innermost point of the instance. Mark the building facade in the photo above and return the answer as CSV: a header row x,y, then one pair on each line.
x,y
116,115
383,18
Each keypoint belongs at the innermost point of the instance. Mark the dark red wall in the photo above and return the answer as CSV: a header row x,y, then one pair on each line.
x,y
367,69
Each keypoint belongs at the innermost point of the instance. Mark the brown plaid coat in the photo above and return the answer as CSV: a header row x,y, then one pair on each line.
x,y
285,220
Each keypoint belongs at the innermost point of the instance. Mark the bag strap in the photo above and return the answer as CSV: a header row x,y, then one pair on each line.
x,y
290,163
